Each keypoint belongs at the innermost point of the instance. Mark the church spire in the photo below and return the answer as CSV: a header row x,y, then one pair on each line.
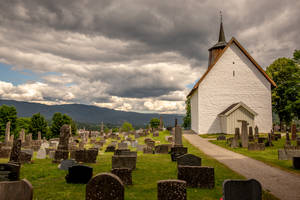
x,y
221,44
221,33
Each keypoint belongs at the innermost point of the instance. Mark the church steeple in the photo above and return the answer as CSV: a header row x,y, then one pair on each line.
x,y
221,44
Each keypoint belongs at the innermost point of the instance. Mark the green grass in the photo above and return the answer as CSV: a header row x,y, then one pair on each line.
x,y
268,156
49,183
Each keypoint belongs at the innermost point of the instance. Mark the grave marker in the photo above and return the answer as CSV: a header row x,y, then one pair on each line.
x,y
171,190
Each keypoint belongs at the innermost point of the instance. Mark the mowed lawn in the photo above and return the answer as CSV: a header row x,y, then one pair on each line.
x,y
268,156
49,182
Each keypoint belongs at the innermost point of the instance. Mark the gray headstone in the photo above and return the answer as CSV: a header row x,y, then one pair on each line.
x,y
65,164
14,190
171,190
41,154
105,186
189,160
242,189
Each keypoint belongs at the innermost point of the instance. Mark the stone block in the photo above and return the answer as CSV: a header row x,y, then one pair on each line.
x,y
124,174
188,160
177,151
242,189
171,190
9,172
16,190
124,161
296,162
105,186
197,176
66,164
163,149
256,147
288,154
79,174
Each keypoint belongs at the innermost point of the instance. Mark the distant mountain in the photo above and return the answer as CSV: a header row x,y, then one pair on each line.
x,y
89,114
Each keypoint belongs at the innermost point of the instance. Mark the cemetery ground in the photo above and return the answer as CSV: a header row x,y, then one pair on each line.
x,y
49,182
268,156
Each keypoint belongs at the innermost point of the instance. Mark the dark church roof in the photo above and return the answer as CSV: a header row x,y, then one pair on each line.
x,y
222,41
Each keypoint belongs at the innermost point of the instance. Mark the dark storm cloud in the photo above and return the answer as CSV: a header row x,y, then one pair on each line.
x,y
134,49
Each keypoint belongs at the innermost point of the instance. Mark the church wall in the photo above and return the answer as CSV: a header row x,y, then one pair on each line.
x,y
233,79
194,112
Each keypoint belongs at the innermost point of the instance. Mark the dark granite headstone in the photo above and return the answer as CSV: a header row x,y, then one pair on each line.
x,y
105,186
171,190
16,190
162,148
9,172
124,174
221,137
79,174
251,136
124,161
242,189
177,151
296,162
197,176
189,160
110,148
66,164
261,140
256,133
86,155
15,152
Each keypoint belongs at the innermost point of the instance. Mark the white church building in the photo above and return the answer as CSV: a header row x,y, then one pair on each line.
x,y
233,88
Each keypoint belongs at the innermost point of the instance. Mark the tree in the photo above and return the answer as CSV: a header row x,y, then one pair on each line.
x,y
187,117
22,123
37,124
285,97
297,56
126,126
154,122
7,113
58,120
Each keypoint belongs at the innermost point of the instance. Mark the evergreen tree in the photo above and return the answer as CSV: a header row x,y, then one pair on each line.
x,y
187,117
154,122
7,113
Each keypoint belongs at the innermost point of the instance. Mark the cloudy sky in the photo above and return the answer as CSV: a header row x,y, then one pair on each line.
x,y
142,55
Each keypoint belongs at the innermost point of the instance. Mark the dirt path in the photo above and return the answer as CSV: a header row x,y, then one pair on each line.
x,y
281,184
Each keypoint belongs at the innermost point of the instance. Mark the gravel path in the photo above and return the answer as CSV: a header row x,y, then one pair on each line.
x,y
283,185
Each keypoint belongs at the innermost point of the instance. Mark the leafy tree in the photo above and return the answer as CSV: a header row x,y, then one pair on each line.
x,y
297,56
7,113
115,130
58,120
187,117
154,122
37,123
285,97
22,123
126,126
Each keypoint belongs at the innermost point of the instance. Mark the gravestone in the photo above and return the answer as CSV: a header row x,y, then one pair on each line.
x,y
7,134
256,134
269,141
288,154
189,160
124,174
242,189
296,162
125,152
9,172
178,137
110,148
66,164
256,146
22,135
122,145
86,155
197,176
171,190
251,137
25,156
244,136
148,150
155,133
16,190
261,140
62,152
234,142
237,133
162,149
221,137
105,186
124,161
177,151
294,131
15,152
41,154
79,174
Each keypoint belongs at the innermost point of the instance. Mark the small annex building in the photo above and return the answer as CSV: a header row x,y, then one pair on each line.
x,y
234,87
229,118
